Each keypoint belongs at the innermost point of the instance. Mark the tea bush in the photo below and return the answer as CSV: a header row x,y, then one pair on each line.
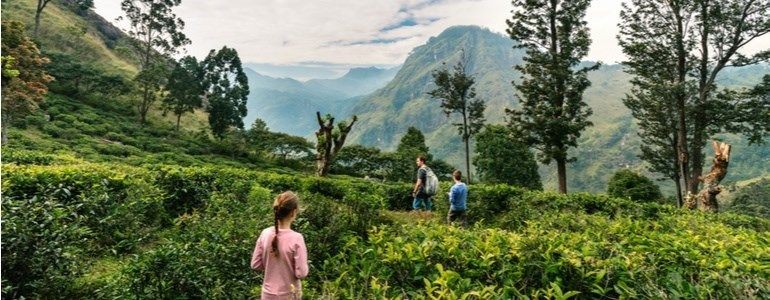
x,y
55,217
588,256
167,231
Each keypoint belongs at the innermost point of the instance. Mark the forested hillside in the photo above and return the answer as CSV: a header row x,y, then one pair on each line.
x,y
611,143
289,106
99,203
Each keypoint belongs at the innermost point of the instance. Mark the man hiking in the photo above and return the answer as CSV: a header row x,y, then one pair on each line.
x,y
425,187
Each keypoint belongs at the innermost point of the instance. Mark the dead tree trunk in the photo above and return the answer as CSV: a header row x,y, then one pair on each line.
x,y
329,142
707,197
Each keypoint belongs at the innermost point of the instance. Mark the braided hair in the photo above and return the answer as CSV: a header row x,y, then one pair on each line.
x,y
283,206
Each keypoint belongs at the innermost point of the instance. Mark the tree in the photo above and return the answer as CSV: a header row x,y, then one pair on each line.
x,y
41,4
752,199
723,28
81,5
552,113
357,160
227,88
330,141
185,88
457,95
401,162
286,146
258,136
631,185
675,50
83,80
156,33
409,147
24,77
413,141
502,160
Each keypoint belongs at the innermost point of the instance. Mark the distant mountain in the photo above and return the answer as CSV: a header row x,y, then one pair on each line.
x,y
610,144
358,81
289,106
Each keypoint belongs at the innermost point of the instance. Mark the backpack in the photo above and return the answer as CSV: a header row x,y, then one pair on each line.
x,y
431,183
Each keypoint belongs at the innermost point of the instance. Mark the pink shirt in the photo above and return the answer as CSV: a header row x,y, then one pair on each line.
x,y
284,270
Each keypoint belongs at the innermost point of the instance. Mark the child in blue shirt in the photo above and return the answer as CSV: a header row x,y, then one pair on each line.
x,y
458,195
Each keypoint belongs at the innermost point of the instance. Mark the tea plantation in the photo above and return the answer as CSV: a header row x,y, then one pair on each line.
x,y
77,229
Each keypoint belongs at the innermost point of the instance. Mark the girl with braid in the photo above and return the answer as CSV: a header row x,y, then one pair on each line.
x,y
281,252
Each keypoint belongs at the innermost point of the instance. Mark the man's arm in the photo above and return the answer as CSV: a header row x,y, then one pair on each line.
x,y
417,186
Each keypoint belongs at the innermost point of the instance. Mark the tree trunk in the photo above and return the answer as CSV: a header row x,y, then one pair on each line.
x,y
708,195
5,122
322,169
328,145
679,200
144,106
561,167
178,118
39,11
466,139
37,23
681,96
467,160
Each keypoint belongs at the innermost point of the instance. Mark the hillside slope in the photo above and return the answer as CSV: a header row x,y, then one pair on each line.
x,y
289,106
610,144
86,36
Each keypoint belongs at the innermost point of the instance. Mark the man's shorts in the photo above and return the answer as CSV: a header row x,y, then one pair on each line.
x,y
422,203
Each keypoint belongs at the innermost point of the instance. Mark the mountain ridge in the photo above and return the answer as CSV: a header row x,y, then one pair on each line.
x,y
610,144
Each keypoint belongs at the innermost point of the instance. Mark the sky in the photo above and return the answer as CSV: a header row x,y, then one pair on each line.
x,y
324,38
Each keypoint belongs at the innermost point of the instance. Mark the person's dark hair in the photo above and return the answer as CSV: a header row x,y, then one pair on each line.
x,y
283,206
421,158
457,175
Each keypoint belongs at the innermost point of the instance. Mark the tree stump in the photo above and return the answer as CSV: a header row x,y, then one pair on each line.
x,y
707,197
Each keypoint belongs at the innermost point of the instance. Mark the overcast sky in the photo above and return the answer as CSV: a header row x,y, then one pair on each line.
x,y
347,33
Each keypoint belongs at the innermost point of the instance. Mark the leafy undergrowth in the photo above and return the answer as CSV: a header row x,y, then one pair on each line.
x,y
97,230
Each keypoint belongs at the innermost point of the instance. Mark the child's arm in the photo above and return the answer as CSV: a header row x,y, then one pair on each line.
x,y
256,257
300,259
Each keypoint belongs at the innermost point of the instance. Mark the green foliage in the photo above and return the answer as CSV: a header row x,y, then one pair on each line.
x,y
458,95
553,113
499,159
185,88
558,256
56,217
631,185
26,157
24,77
753,199
413,140
359,161
156,34
82,80
675,94
226,89
412,144
111,231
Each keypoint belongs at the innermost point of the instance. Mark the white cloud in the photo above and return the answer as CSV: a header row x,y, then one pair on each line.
x,y
293,31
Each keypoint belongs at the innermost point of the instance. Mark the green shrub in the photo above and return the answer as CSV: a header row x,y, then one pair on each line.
x,y
26,157
55,218
208,255
43,247
58,132
630,185
37,120
560,253
753,199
